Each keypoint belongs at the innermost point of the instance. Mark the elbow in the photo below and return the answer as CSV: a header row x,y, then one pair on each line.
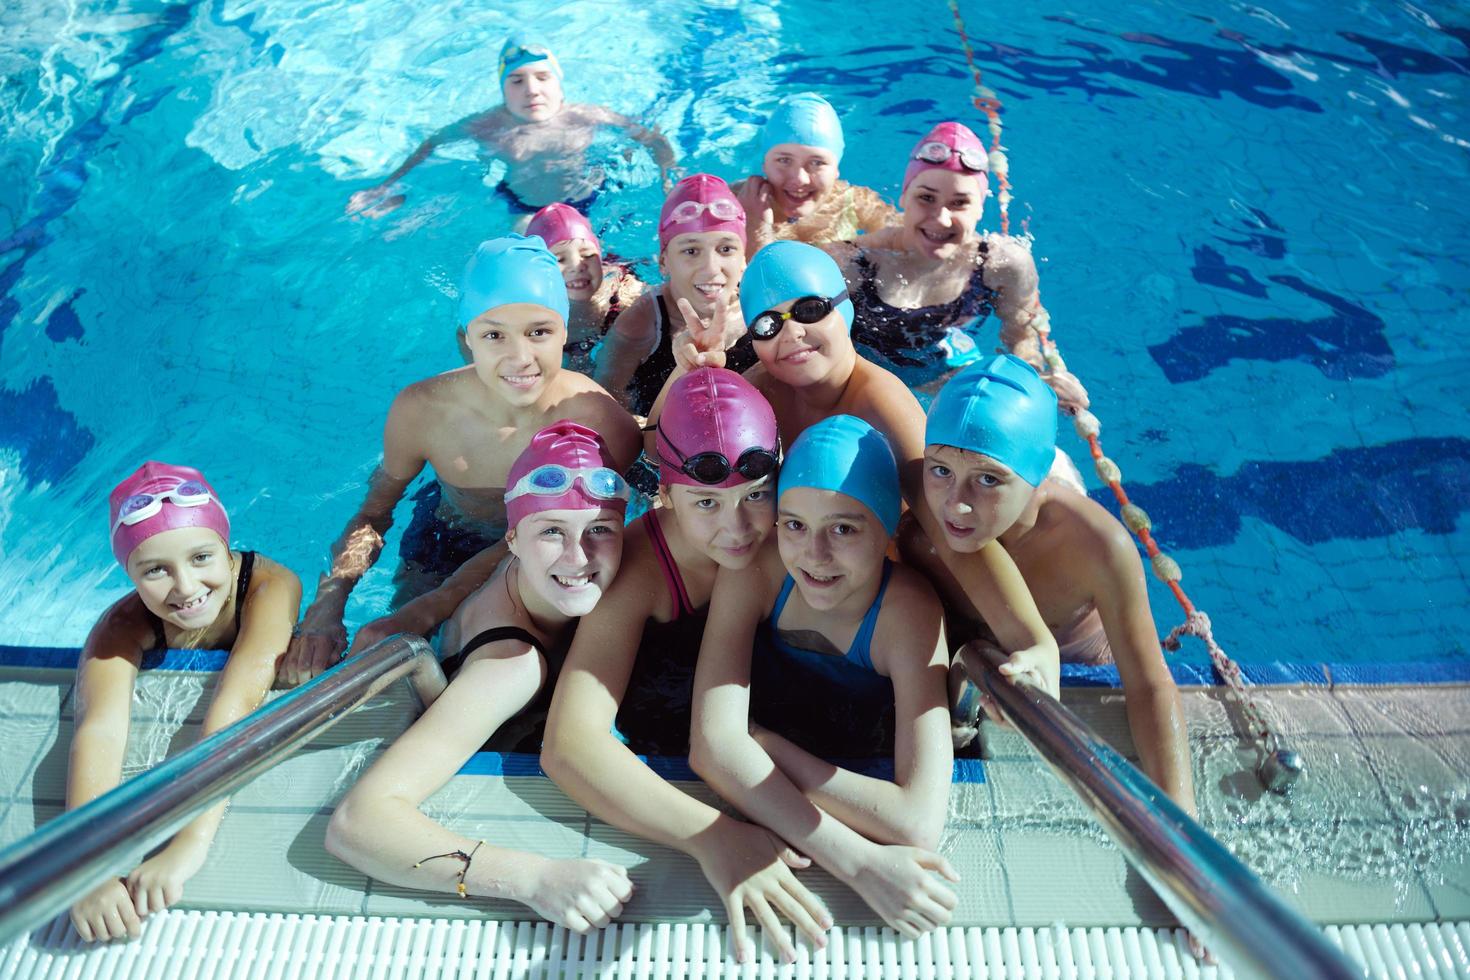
x,y
921,827
554,756
344,829
702,758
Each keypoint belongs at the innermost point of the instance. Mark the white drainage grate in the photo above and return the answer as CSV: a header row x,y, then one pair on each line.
x,y
198,945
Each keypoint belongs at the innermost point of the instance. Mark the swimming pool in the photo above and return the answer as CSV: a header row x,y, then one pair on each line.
x,y
1248,223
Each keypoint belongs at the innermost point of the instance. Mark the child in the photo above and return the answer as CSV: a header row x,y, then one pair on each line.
x,y
854,664
171,535
701,240
565,508
469,424
599,289
990,438
541,137
799,194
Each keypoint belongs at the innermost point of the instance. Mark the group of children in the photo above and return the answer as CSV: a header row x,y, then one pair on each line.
x,y
815,549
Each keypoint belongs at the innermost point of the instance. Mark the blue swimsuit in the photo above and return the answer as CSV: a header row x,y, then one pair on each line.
x,y
836,707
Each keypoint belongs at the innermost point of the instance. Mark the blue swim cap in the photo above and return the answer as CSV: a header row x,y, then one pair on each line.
x,y
513,269
520,50
805,118
845,454
1002,409
790,270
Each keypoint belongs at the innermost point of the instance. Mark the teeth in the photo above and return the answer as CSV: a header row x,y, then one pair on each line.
x,y
572,581
824,579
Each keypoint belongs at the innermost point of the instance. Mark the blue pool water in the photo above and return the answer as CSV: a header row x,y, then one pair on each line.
x,y
1249,221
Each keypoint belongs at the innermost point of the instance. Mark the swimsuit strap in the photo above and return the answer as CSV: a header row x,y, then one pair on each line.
x,y
861,650
781,598
242,585
160,641
452,664
682,605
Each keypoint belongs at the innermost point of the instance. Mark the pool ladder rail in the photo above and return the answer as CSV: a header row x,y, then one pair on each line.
x,y
1213,894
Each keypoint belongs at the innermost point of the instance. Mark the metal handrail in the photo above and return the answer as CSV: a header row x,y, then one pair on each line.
x,y
1213,894
44,873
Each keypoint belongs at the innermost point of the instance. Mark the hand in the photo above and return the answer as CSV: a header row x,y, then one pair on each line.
x,y
158,882
898,883
373,202
758,201
701,343
582,894
313,649
749,867
105,913
1071,396
1038,666
380,629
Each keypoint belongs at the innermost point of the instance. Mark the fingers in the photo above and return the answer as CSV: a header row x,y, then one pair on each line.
x,y
735,911
794,860
771,925
692,322
805,911
83,926
576,922
937,862
593,912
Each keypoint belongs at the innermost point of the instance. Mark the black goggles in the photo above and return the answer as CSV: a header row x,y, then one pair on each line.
x,y
711,468
808,309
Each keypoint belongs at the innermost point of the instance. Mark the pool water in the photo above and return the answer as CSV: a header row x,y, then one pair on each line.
x,y
1249,223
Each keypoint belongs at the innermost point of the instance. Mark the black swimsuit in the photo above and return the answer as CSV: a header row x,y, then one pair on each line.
x,y
524,731
242,585
649,379
924,344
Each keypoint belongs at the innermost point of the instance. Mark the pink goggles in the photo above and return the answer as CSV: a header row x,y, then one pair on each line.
x,y
937,153
721,209
141,506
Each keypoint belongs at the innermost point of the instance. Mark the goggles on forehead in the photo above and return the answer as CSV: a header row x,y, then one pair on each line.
x,y
141,506
551,479
711,468
975,161
807,309
723,208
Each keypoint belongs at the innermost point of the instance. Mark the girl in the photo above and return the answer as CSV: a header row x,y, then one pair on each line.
x,y
798,194
701,238
565,506
922,289
854,663
171,535
598,289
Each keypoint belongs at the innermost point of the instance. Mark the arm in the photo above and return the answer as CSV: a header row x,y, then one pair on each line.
x,y
1155,715
265,628
424,613
106,673
379,828
459,131
743,864
895,881
627,344
320,640
911,808
1012,273
649,136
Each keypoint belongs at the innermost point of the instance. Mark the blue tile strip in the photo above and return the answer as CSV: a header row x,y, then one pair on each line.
x,y
677,766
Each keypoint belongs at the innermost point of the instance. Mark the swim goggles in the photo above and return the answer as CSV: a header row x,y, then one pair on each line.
x,y
808,309
711,468
551,479
934,151
723,209
141,506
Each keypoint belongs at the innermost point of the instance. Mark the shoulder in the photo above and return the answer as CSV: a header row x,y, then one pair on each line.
x,y
886,402
1086,529
126,629
267,573
912,597
637,320
433,392
1008,261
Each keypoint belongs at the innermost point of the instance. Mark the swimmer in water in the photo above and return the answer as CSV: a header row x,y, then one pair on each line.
x,y
798,194
717,453
989,447
565,508
469,424
598,288
171,535
701,241
850,662
922,288
795,301
541,137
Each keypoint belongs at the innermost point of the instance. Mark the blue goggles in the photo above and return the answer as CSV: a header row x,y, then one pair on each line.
x,y
551,479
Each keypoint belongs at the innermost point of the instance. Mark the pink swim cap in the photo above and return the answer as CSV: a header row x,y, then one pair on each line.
x,y
157,498
949,146
700,203
566,467
560,223
717,412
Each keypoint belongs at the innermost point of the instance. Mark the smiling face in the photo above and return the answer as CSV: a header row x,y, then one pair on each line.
x,y
975,497
727,524
805,353
569,557
940,211
581,267
703,266
517,350
799,176
831,544
533,92
183,575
